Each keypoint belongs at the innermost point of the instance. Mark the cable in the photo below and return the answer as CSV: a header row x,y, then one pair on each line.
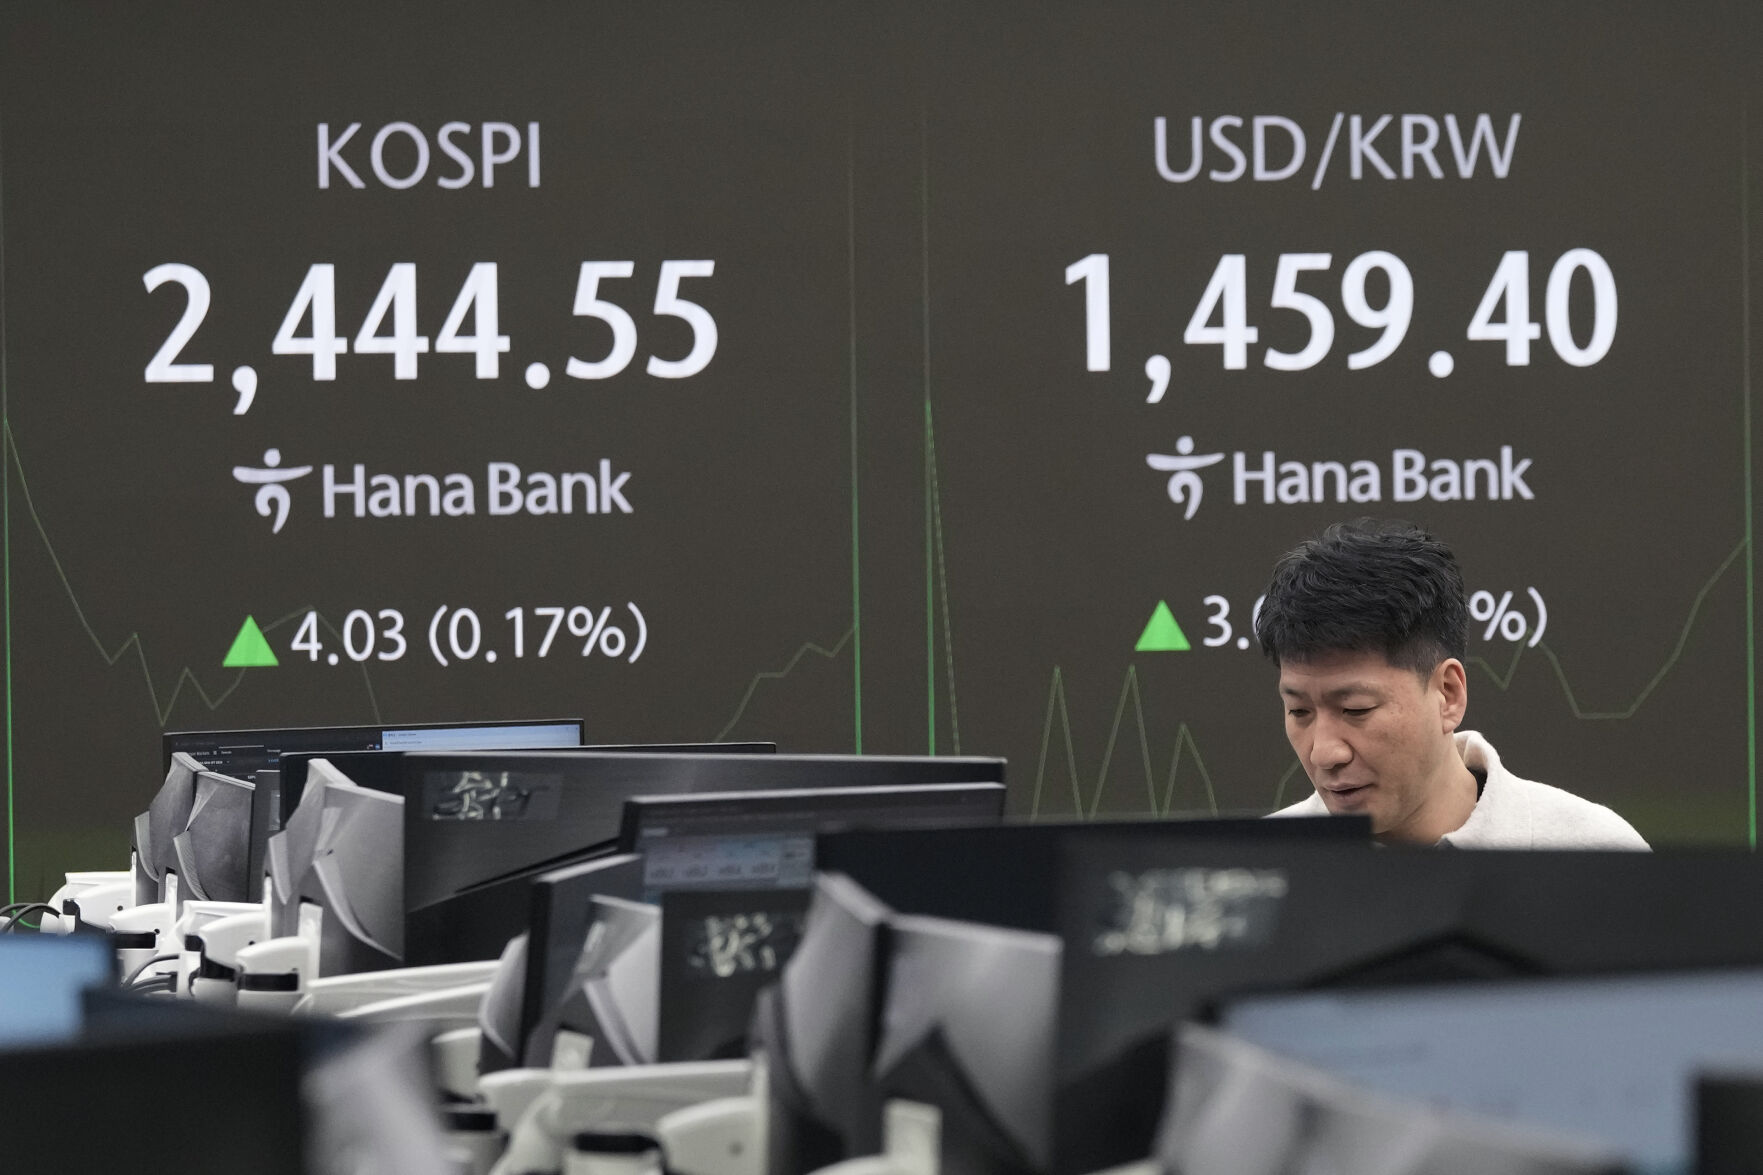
x,y
150,962
18,911
7,909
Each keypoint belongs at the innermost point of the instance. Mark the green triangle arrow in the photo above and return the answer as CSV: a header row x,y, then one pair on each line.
x,y
250,650
1162,634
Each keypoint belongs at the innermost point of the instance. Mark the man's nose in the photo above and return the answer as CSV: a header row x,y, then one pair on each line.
x,y
1329,748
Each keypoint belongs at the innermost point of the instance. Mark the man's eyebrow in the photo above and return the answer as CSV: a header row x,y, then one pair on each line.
x,y
1352,687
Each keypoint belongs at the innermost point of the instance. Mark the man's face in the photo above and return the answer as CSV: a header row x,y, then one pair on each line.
x,y
1375,739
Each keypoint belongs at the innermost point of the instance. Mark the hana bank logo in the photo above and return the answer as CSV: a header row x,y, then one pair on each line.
x,y
271,482
1185,486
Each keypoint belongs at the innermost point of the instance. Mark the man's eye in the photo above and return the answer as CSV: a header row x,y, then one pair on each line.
x,y
1297,713
1357,711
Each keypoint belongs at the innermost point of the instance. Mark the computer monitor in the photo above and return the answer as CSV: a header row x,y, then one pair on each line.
x,y
1153,937
606,989
765,839
815,1032
719,950
255,755
167,815
42,977
336,867
968,1025
362,1096
211,852
479,827
107,1102
524,1008
1238,1107
615,995
1611,1058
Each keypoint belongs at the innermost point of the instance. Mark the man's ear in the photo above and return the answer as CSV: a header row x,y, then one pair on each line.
x,y
1451,685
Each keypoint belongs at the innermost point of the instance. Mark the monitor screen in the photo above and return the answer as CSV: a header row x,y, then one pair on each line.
x,y
41,978
765,840
479,827
1611,1058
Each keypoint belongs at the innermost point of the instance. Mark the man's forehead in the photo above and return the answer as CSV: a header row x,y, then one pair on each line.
x,y
1329,674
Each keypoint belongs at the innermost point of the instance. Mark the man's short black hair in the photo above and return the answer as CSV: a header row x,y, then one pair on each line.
x,y
1367,586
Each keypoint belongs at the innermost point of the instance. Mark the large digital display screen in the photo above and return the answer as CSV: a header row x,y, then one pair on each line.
x,y
892,377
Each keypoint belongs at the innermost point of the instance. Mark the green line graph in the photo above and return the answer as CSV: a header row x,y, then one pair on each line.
x,y
6,542
212,699
1504,682
1745,444
856,567
1129,689
780,674
936,572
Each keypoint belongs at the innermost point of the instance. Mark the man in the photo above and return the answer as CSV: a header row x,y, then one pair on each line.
x,y
1369,628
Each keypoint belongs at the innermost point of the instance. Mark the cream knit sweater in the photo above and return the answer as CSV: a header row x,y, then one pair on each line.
x,y
1516,813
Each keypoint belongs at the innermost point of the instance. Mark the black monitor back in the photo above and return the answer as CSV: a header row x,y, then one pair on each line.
x,y
247,1080
384,770
719,949
732,840
479,827
243,752
1006,876
1729,1123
